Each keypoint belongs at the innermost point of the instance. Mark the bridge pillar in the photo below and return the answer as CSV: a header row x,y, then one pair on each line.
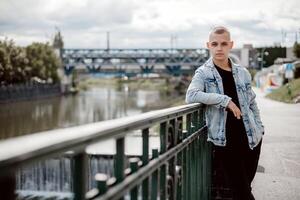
x,y
174,70
93,68
68,69
147,69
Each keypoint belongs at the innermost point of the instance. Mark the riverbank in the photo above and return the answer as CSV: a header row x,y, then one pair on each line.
x,y
27,92
138,83
166,86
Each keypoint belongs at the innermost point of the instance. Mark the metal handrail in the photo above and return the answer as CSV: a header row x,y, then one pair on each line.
x,y
118,191
28,148
185,152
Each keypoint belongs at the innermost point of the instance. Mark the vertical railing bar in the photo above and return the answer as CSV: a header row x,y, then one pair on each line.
x,y
201,170
179,159
154,178
101,180
145,159
184,168
134,168
198,166
188,156
209,167
172,161
8,185
163,170
193,162
120,160
80,175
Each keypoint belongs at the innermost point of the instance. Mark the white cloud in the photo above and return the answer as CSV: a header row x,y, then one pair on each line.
x,y
143,23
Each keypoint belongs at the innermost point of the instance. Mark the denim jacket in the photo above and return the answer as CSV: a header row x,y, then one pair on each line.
x,y
206,87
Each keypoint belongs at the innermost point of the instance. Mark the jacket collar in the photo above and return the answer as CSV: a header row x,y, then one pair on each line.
x,y
209,63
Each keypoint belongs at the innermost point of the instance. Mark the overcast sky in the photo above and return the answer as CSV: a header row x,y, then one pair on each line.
x,y
149,23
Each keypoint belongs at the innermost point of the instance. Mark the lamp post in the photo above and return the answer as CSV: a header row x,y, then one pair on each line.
x,y
262,53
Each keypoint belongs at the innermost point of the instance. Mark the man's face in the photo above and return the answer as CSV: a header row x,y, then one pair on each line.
x,y
219,46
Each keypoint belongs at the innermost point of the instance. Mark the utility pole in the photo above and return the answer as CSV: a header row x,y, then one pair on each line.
x,y
107,41
284,35
171,42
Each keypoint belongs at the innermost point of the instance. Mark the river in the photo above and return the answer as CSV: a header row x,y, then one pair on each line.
x,y
93,105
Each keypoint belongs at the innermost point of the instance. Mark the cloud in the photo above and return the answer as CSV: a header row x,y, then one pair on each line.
x,y
142,23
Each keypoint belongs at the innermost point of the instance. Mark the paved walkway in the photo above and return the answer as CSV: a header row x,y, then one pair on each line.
x,y
278,174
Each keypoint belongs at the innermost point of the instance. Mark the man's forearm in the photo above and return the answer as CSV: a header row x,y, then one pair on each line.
x,y
198,96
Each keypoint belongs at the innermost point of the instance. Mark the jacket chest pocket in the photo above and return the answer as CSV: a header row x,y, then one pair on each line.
x,y
211,86
245,89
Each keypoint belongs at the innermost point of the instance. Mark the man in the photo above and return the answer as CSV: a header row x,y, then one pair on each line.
x,y
232,116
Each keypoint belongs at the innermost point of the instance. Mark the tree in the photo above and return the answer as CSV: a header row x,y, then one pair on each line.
x,y
20,65
43,61
13,63
296,50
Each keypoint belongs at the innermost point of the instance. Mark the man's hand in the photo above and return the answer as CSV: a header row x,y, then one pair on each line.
x,y
234,109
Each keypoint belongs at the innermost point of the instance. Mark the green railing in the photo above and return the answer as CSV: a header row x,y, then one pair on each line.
x,y
180,169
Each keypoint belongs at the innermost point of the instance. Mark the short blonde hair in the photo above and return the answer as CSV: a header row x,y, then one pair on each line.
x,y
219,30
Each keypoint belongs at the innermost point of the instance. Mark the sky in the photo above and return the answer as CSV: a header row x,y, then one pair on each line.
x,y
149,23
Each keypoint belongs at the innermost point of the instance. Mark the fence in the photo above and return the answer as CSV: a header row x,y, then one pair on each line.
x,y
179,169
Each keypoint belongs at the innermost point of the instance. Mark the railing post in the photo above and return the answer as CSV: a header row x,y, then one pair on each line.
x,y
145,159
172,162
199,178
119,161
209,168
154,178
201,165
101,180
184,167
134,168
8,185
188,156
163,170
179,166
80,175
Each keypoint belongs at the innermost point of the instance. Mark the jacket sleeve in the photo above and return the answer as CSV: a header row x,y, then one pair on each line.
x,y
253,105
196,93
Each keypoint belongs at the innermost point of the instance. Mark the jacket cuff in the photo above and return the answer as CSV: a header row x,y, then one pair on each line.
x,y
225,101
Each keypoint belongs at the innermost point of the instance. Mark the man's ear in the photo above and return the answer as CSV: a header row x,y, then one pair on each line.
x,y
207,45
231,44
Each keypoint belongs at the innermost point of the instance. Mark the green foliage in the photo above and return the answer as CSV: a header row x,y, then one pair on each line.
x,y
43,61
13,63
296,50
273,53
20,65
287,93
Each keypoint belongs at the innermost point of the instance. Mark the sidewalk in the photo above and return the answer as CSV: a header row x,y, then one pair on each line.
x,y
278,175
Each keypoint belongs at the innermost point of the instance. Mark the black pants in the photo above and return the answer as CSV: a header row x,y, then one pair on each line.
x,y
239,163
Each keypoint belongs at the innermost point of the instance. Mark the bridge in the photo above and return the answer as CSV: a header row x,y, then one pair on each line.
x,y
134,61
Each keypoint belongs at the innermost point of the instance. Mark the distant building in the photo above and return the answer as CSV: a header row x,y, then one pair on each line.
x,y
244,56
249,57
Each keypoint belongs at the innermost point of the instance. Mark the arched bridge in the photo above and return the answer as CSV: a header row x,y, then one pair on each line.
x,y
134,61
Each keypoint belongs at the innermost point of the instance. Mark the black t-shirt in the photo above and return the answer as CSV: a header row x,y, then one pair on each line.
x,y
235,129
